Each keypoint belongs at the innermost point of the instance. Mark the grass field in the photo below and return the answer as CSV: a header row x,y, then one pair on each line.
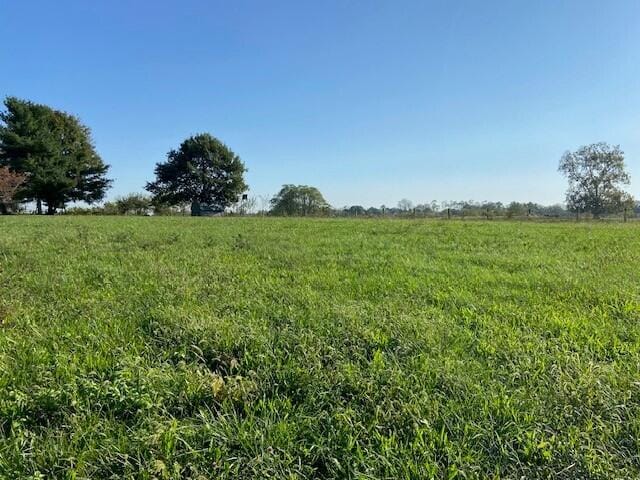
x,y
281,348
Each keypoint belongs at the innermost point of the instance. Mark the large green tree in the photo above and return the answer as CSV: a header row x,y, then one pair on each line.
x,y
203,172
298,200
596,174
54,151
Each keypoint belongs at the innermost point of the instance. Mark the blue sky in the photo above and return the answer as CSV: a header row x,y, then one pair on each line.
x,y
370,101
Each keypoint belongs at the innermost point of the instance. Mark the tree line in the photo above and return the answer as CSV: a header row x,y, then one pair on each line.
x,y
48,158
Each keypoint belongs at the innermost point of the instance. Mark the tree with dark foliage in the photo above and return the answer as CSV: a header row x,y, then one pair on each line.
x,y
54,151
298,200
203,172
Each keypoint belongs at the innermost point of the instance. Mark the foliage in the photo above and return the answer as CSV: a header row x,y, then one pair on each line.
x,y
80,210
354,210
314,348
10,182
163,209
55,152
405,205
203,171
132,204
463,209
596,174
298,200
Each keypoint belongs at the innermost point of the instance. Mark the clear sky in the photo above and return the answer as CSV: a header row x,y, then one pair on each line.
x,y
370,101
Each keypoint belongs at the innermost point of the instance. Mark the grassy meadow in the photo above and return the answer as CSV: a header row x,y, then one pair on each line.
x,y
290,348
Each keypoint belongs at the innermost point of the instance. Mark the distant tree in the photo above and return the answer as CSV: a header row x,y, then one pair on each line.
x,y
133,204
162,209
405,205
423,208
109,208
556,210
355,210
373,211
491,209
516,209
596,174
10,182
55,152
77,210
298,200
626,203
203,171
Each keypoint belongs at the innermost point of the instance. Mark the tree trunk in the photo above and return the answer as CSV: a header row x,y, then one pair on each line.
x,y
51,208
39,206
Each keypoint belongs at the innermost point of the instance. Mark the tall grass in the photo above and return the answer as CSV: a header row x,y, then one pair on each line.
x,y
281,348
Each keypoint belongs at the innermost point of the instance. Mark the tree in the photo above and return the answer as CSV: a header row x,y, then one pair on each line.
x,y
298,200
133,204
10,182
596,174
516,209
355,210
423,208
203,172
373,211
405,205
54,151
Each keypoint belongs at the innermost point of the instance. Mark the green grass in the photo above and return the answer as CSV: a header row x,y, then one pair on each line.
x,y
281,348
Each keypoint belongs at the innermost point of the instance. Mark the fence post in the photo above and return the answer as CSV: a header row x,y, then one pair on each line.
x,y
448,214
625,214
